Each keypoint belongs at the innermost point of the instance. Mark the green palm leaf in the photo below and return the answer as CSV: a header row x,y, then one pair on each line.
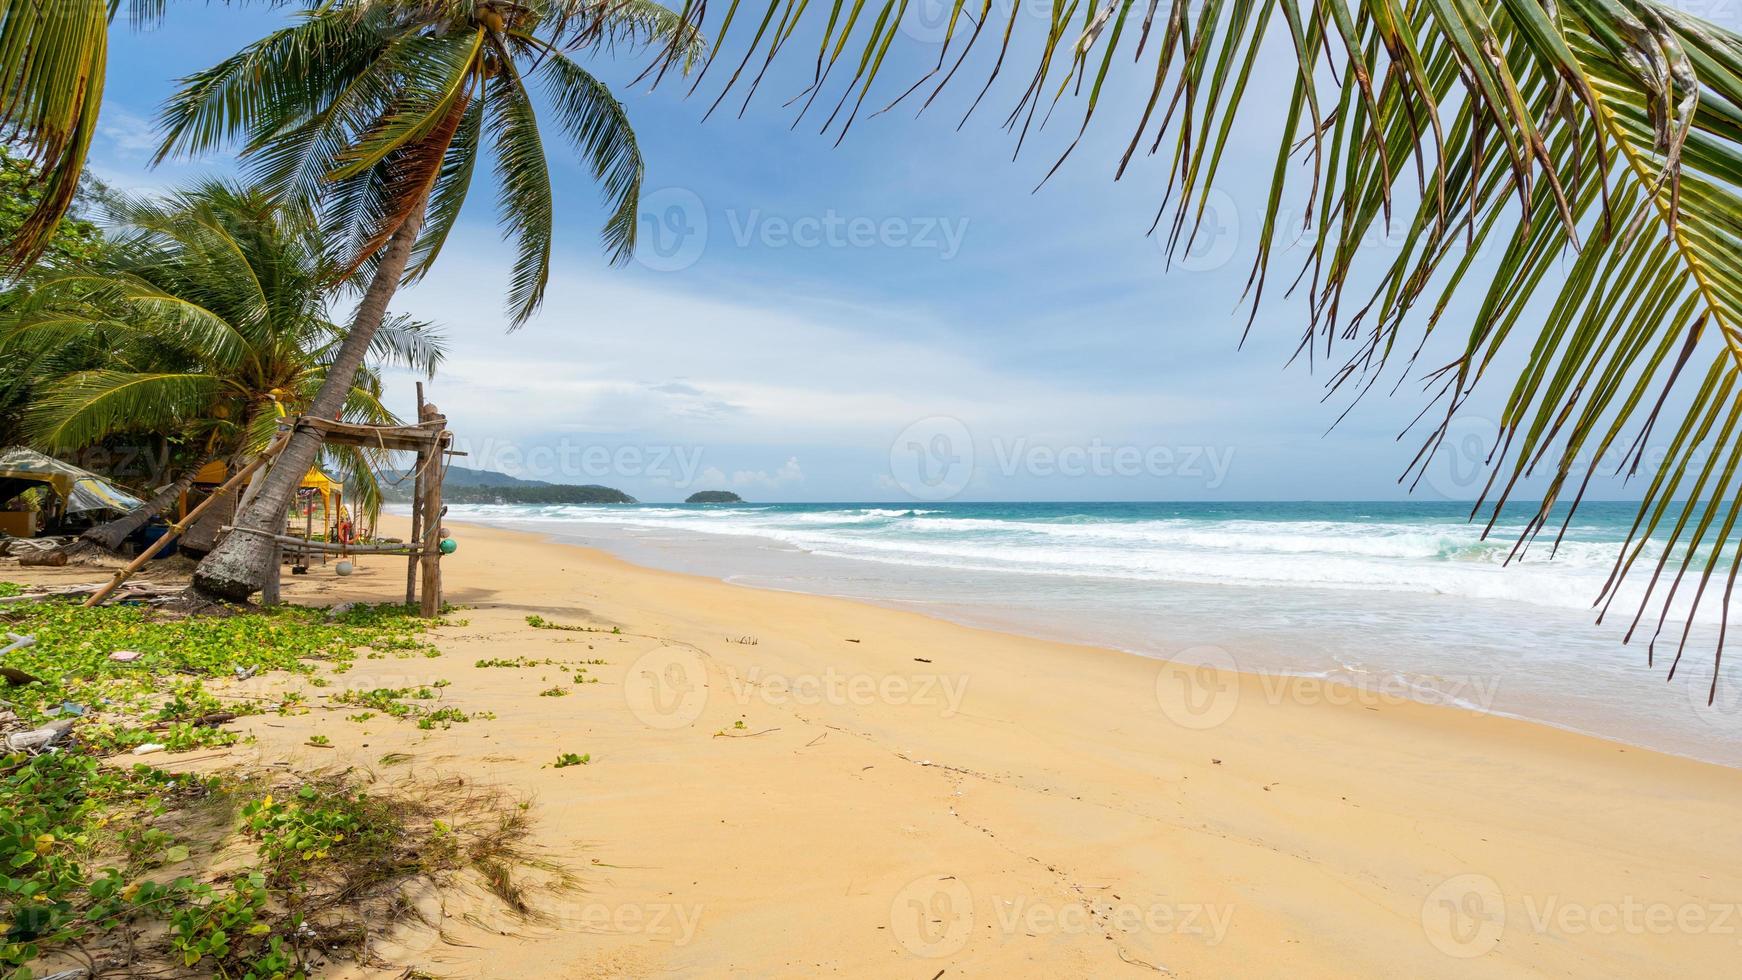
x,y
83,408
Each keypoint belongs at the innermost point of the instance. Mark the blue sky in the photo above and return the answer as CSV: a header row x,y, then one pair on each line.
x,y
811,322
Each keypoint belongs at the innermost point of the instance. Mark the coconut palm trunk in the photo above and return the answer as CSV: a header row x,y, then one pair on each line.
x,y
238,566
109,536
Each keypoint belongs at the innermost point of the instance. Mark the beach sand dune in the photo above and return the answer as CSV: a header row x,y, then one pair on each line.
x,y
788,785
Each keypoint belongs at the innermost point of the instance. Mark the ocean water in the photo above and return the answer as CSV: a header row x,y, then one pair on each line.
x,y
1390,599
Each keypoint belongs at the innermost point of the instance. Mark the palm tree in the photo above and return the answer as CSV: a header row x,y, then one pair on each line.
x,y
376,112
213,310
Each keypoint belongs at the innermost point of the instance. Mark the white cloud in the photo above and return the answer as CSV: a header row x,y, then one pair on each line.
x,y
693,364
789,474
130,136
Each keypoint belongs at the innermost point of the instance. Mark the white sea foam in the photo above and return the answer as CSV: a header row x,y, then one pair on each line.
x,y
1436,558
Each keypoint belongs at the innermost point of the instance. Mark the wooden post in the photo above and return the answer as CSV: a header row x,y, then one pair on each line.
x,y
308,532
416,535
432,528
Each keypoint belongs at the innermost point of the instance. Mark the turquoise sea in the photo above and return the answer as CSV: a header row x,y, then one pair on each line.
x,y
1397,596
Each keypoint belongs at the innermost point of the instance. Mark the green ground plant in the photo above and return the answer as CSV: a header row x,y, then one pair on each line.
x,y
95,859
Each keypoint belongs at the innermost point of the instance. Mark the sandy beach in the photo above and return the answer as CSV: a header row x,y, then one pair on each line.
x,y
789,785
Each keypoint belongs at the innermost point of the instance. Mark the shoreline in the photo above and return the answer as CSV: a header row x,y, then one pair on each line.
x,y
908,795
1475,692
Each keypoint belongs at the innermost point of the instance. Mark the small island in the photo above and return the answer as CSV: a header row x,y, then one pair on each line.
x,y
714,497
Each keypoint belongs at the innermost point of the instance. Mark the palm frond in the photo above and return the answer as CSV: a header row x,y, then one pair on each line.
x,y
523,195
605,24
83,408
448,198
52,62
406,342
356,468
598,126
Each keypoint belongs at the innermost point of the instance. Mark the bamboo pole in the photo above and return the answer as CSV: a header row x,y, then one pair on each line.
x,y
176,529
292,541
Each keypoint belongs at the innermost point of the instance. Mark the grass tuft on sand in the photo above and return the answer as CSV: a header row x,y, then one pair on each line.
x,y
126,869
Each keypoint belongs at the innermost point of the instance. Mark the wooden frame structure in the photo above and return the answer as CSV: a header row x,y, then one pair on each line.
x,y
432,443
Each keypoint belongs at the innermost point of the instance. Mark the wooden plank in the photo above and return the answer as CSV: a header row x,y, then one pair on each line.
x,y
409,438
305,546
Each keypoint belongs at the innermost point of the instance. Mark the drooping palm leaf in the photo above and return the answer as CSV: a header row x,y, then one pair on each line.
x,y
52,62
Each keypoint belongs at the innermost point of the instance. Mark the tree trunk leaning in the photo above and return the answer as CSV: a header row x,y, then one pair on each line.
x,y
237,567
109,536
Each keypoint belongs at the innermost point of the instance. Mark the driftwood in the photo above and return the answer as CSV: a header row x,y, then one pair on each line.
x,y
313,545
132,592
18,547
18,678
39,739
212,720
12,674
